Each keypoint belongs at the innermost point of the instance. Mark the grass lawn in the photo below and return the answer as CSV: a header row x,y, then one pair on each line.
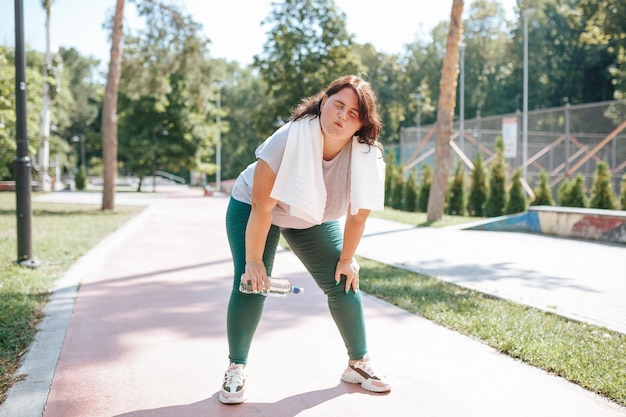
x,y
61,233
588,355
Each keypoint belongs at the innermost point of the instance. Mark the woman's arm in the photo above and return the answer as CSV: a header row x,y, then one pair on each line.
x,y
347,265
259,224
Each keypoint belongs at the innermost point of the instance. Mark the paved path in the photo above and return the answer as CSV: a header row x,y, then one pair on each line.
x,y
144,336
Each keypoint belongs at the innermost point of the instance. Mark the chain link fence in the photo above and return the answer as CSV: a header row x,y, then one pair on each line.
x,y
563,141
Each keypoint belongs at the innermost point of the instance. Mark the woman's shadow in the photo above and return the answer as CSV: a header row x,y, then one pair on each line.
x,y
287,407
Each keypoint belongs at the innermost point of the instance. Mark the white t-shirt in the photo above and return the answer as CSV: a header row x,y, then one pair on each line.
x,y
336,178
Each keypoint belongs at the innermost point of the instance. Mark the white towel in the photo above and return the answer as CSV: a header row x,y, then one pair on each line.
x,y
300,179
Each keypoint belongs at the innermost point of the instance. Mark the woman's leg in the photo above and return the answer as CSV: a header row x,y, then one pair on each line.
x,y
244,310
319,248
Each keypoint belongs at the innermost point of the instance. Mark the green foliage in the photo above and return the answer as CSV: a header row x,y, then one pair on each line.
x,y
411,192
478,188
543,193
456,192
309,47
390,170
397,190
572,193
81,178
517,202
602,195
497,195
427,180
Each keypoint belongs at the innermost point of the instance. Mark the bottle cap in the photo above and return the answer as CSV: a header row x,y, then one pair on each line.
x,y
297,290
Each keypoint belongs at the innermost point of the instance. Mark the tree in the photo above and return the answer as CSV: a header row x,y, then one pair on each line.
x,y
479,188
517,199
44,131
427,180
445,113
456,192
109,111
308,47
497,196
543,193
604,25
485,36
411,192
572,193
602,195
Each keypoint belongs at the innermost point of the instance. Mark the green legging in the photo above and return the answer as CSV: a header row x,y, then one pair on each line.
x,y
319,248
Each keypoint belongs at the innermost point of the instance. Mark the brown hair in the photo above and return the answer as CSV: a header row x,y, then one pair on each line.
x,y
368,113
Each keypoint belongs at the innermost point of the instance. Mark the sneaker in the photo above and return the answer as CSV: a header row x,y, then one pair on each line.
x,y
362,372
234,387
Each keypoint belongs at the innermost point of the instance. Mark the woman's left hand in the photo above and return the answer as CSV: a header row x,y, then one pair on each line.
x,y
350,269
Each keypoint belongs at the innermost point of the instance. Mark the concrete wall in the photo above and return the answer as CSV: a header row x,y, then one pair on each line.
x,y
592,224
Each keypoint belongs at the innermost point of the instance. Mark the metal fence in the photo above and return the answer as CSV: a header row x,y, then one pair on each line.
x,y
563,142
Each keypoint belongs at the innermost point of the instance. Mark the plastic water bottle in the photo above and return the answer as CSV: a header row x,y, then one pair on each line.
x,y
279,287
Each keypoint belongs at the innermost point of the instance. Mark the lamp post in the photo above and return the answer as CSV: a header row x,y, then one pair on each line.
x,y
462,98
22,160
218,144
525,16
83,161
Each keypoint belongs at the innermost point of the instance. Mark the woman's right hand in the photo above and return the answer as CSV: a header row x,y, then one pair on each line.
x,y
257,276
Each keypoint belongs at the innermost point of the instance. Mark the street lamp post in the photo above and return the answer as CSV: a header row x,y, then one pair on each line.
x,y
218,157
22,159
218,144
83,161
525,16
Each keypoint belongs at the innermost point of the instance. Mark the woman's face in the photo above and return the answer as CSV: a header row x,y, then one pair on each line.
x,y
340,114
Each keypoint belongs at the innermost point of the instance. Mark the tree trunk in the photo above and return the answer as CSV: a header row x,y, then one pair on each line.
x,y
445,114
44,129
109,111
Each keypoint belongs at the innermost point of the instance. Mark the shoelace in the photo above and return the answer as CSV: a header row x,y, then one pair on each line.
x,y
236,374
367,367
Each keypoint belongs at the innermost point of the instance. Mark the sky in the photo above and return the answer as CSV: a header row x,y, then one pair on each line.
x,y
233,26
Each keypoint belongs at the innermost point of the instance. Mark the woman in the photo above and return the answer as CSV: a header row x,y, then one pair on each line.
x,y
324,164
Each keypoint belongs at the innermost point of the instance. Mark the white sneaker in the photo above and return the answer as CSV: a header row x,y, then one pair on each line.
x,y
234,386
362,372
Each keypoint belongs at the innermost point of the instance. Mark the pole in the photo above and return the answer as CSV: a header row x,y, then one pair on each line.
x,y
22,160
525,103
218,151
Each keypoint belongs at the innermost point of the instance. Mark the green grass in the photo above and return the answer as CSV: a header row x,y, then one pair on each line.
x,y
420,219
588,355
61,233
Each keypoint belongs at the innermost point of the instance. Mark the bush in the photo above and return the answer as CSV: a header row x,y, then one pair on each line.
x,y
81,179
478,188
517,199
456,192
496,197
573,193
390,170
411,193
602,196
427,180
543,193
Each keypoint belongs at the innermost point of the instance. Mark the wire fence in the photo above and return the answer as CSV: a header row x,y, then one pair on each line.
x,y
563,142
